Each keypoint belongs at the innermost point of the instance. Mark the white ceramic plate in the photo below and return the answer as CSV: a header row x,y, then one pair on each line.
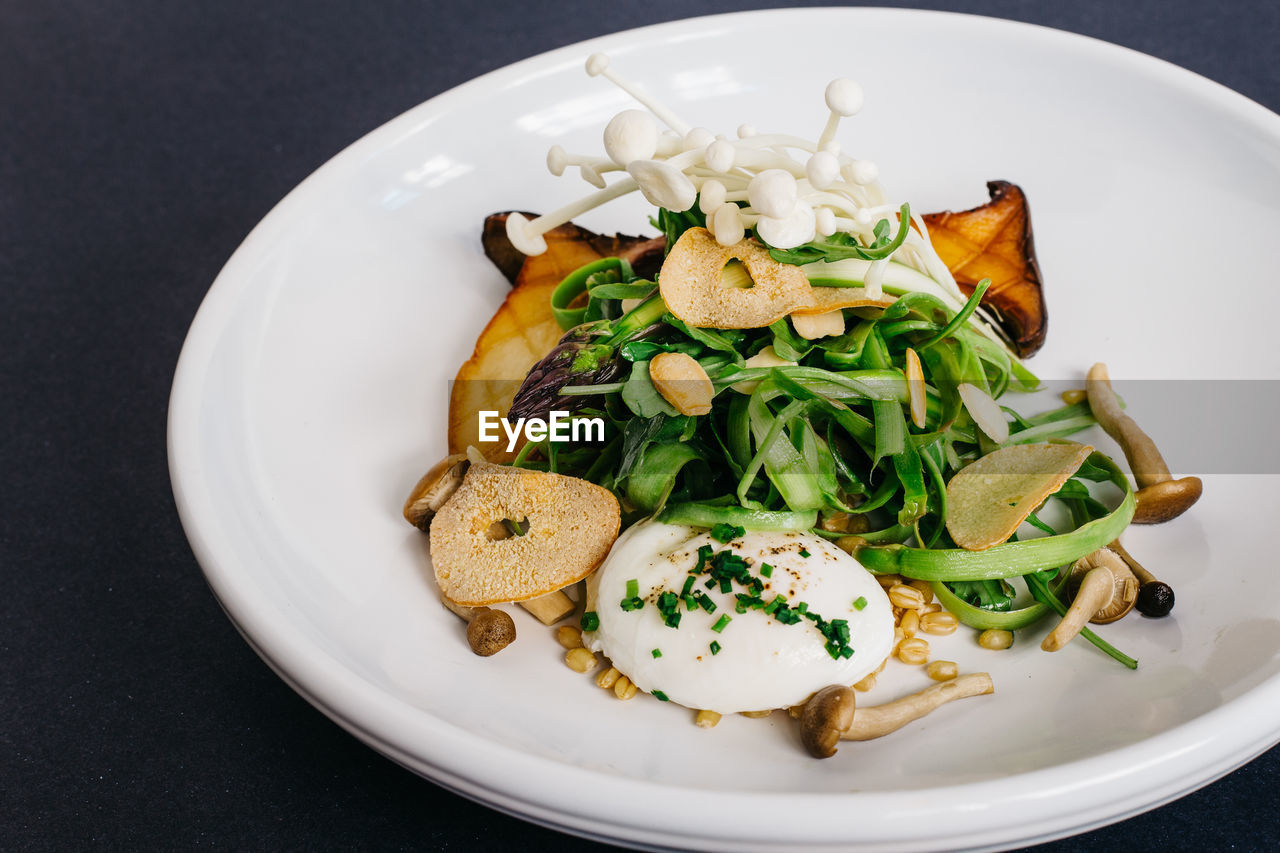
x,y
312,388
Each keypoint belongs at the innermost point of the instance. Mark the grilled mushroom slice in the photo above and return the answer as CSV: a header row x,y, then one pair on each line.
x,y
995,241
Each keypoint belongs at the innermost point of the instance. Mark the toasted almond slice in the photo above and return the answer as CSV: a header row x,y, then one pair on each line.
x,y
767,357
988,499
682,382
915,388
691,285
814,326
985,412
570,526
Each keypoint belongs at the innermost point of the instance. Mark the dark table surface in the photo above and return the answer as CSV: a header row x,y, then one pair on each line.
x,y
139,143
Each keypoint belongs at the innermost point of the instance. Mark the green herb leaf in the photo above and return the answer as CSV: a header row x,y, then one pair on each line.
x,y
640,395
726,533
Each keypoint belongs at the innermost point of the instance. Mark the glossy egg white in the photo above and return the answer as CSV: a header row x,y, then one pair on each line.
x,y
762,663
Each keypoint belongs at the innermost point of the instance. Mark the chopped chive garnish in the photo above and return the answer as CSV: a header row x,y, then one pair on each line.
x,y
723,568
660,696
787,616
726,532
633,588
669,607
590,621
629,604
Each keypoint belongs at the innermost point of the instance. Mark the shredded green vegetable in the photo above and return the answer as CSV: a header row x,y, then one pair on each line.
x,y
785,446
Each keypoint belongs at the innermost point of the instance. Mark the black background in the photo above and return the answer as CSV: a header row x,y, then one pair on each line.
x,y
139,143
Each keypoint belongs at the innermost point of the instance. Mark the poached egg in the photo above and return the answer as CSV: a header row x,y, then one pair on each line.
x,y
758,662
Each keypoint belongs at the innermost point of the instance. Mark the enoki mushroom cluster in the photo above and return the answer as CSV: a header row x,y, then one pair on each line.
x,y
787,189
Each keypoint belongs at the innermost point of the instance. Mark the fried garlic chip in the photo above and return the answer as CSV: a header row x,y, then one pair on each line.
x,y
693,287
989,498
564,526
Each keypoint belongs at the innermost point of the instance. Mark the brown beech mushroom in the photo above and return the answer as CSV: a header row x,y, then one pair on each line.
x,y
1107,591
826,716
831,715
1155,597
489,631
1160,497
434,490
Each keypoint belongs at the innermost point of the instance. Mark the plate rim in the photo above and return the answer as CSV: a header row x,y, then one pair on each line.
x,y
1221,738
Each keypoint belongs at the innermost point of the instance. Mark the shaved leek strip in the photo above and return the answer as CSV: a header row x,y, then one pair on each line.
x,y
976,617
852,272
1012,558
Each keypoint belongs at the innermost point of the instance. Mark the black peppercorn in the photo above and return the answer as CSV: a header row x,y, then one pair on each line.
x,y
1155,598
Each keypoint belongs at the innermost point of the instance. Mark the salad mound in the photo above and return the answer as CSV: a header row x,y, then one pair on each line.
x,y
797,355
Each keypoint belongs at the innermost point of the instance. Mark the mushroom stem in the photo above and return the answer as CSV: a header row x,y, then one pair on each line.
x,y
592,167
465,613
880,720
1144,577
598,65
1096,591
489,631
550,608
561,215
1148,465
1160,497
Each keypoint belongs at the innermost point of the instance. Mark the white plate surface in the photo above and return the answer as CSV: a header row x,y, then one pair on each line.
x,y
311,393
